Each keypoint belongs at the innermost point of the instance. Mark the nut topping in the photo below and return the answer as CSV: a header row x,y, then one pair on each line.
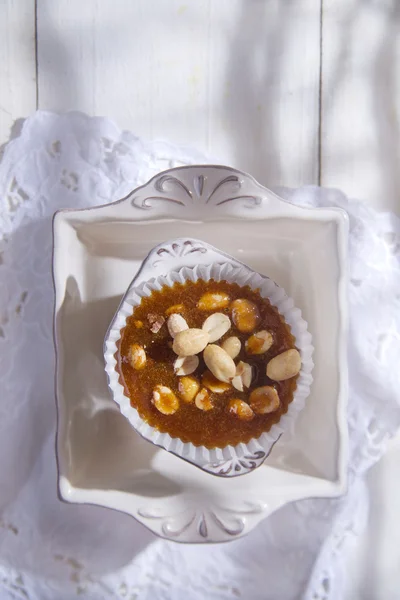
x,y
176,308
185,365
264,400
259,342
241,409
175,324
237,383
138,357
165,400
188,388
232,346
219,362
203,400
284,366
197,360
245,315
213,301
190,342
213,384
216,326
244,371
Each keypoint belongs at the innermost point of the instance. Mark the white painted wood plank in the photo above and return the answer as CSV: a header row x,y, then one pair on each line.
x,y
236,78
372,568
17,63
360,142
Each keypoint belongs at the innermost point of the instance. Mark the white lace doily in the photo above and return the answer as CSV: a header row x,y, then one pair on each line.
x,y
54,551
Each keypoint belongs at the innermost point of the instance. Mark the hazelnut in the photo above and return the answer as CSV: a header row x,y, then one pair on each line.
x,y
245,315
264,400
165,400
203,400
284,366
185,365
259,342
213,301
240,409
213,384
216,326
188,388
137,357
190,342
232,346
219,362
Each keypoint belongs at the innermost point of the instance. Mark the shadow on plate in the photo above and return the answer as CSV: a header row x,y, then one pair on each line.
x,y
100,448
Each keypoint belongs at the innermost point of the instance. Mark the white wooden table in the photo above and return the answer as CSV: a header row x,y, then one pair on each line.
x,y
295,92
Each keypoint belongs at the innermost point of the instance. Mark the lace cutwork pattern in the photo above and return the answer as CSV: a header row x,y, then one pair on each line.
x,y
51,550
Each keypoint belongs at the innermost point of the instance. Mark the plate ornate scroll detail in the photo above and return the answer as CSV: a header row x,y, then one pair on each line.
x,y
230,521
177,250
237,465
196,190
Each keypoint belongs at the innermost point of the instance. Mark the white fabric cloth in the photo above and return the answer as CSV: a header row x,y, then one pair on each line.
x,y
54,551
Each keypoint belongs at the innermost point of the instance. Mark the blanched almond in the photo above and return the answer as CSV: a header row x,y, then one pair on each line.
x,y
185,365
213,301
241,410
203,400
190,342
137,357
259,342
216,326
165,400
245,315
213,384
264,400
244,371
188,388
219,362
284,366
232,346
176,308
237,383
175,324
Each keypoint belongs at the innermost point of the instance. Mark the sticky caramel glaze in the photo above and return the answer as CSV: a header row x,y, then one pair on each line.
x,y
217,427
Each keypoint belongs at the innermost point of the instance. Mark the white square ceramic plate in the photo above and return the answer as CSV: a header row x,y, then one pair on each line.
x,y
97,252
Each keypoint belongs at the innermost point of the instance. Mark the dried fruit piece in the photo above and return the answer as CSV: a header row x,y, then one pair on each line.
x,y
245,315
176,308
156,322
190,342
284,366
203,400
188,388
216,326
138,324
213,384
138,357
259,342
165,400
240,409
175,324
185,365
232,346
213,301
264,400
219,362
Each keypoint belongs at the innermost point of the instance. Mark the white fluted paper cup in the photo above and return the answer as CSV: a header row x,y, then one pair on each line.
x,y
230,460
